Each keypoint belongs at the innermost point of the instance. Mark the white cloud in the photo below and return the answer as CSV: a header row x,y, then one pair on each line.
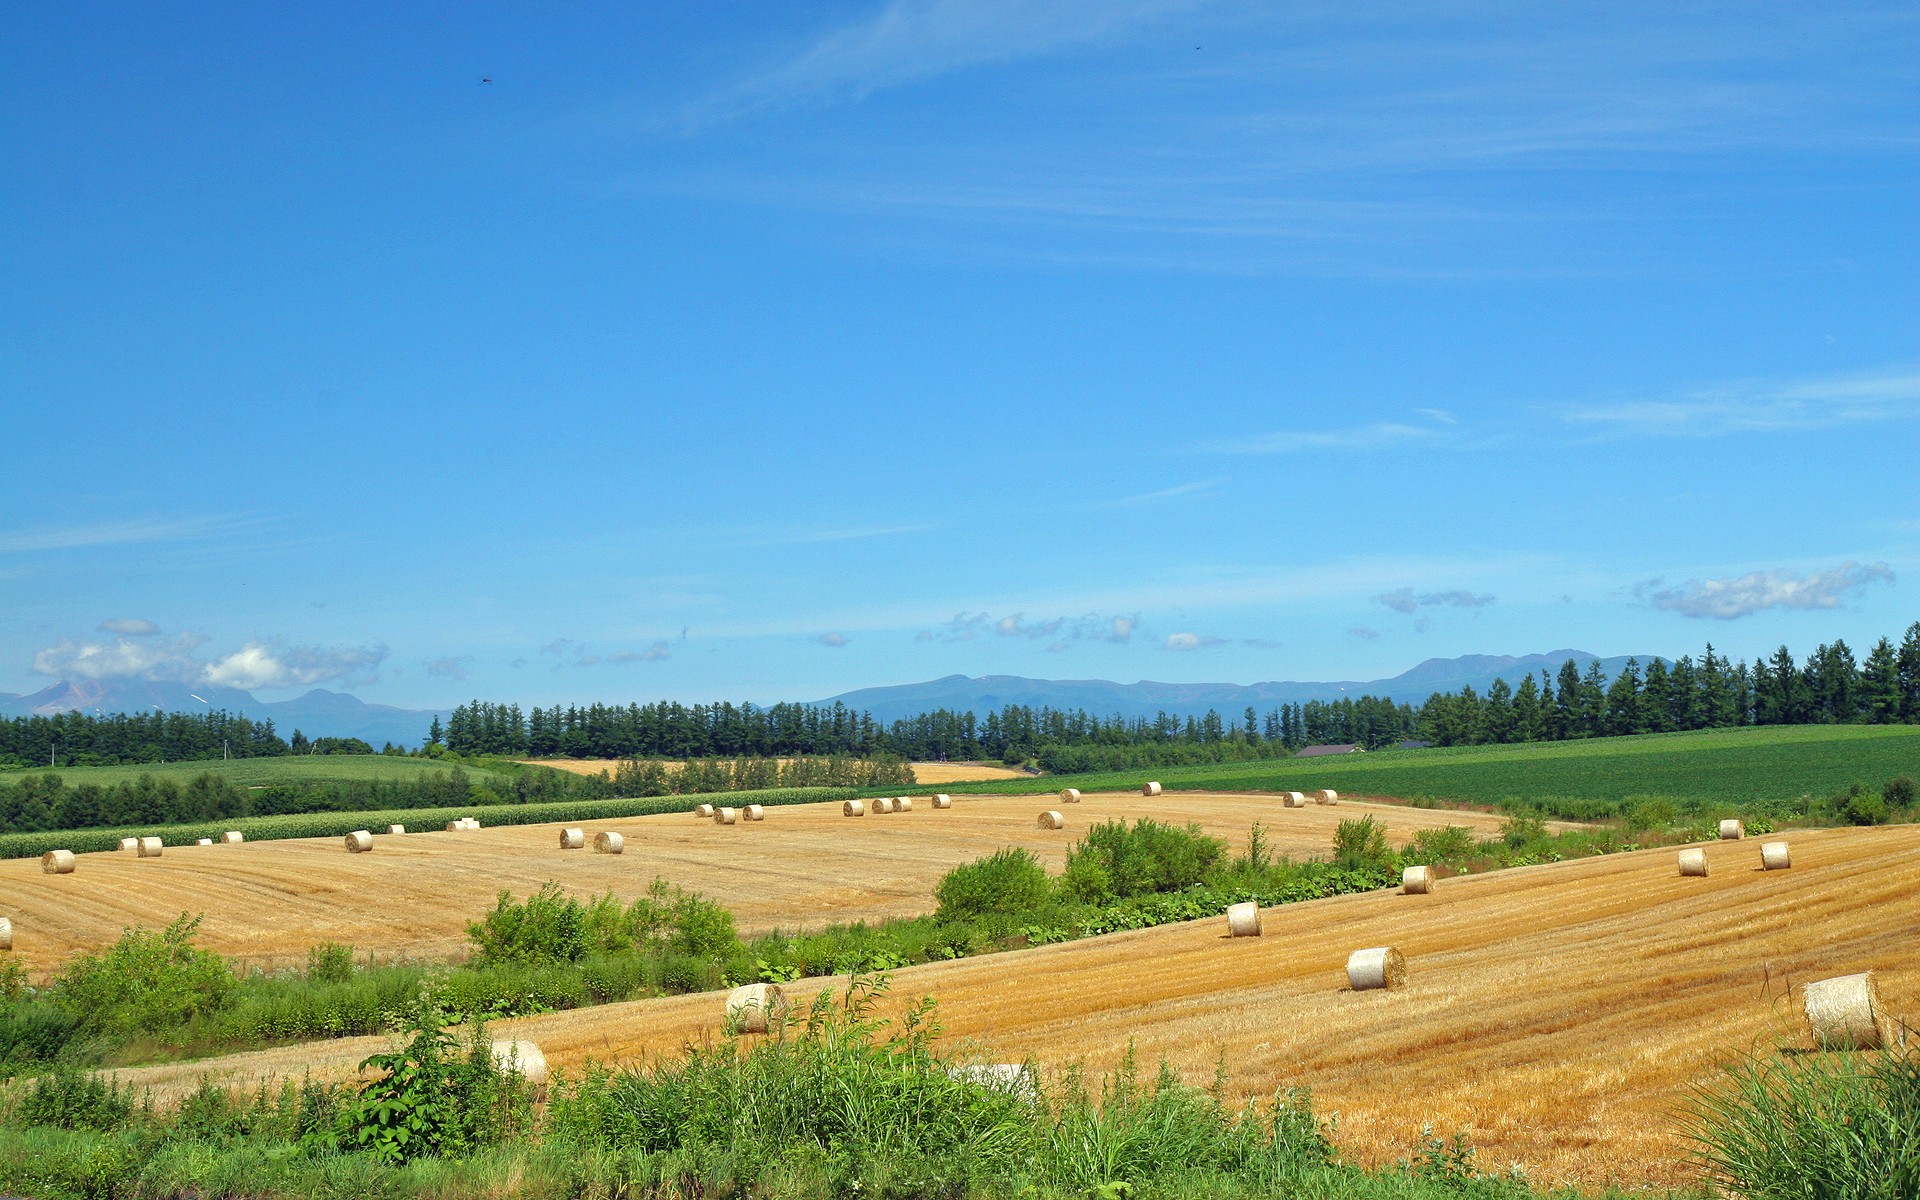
x,y
1363,437
1729,599
268,665
1403,600
656,652
113,533
831,638
1096,627
1169,493
1761,406
129,627
1191,641
171,661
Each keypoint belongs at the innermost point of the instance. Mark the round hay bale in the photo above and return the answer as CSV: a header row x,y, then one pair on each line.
x,y
1845,1013
1069,795
726,816
573,839
1151,788
1379,967
1328,796
751,1009
1294,800
1774,856
233,837
57,862
703,811
149,847
6,934
359,842
1243,920
608,842
883,805
132,843
456,825
903,804
853,808
511,1054
473,822
1732,829
203,841
943,801
1051,819
1693,862
1416,881
396,829
754,812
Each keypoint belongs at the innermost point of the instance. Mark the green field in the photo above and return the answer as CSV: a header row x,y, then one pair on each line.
x,y
261,772
1753,770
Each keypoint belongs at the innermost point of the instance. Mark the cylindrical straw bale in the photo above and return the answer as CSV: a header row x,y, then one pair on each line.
x,y
57,862
1732,829
456,825
726,816
203,841
1693,862
359,842
704,812
1069,795
573,839
853,808
1243,920
883,805
608,842
1774,856
754,812
1416,881
1151,788
1846,1014
233,837
510,1054
752,1008
132,843
469,823
149,847
1329,796
6,934
1051,819
1295,800
903,804
943,801
396,829
1379,967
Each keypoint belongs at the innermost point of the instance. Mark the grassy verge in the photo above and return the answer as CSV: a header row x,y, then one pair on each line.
x,y
272,771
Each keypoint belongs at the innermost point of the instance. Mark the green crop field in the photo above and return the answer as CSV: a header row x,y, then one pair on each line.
x,y
1758,770
257,772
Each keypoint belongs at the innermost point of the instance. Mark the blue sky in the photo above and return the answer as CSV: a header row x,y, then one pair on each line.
x,y
766,351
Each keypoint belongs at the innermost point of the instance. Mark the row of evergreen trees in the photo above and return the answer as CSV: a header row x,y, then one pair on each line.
x,y
77,738
1830,687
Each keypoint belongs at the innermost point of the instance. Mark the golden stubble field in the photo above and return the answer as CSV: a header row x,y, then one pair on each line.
x,y
1557,1015
923,772
413,896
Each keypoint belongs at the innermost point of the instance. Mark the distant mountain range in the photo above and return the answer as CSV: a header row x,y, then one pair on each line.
x,y
989,693
319,713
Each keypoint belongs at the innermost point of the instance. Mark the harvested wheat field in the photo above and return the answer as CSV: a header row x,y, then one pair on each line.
x,y
923,772
1556,1015
413,895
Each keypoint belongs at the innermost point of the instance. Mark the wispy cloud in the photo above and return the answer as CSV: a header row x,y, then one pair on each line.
x,y
1744,595
845,535
1196,488
1760,406
966,626
451,667
129,627
833,639
1191,641
1362,437
1403,600
1363,633
115,533
574,654
656,652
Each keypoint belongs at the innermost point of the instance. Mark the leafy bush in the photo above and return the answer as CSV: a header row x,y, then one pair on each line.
x,y
1007,882
144,983
1452,844
547,927
682,922
330,962
1361,844
70,1098
1860,806
1115,861
1900,792
432,1097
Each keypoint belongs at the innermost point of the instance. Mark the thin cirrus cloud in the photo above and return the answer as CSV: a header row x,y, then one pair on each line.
x,y
1760,406
129,627
570,653
1191,641
453,666
1405,600
1361,437
833,639
1059,631
1756,591
114,533
1196,488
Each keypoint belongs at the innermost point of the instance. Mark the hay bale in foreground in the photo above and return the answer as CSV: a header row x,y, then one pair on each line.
x,y
57,862
883,805
726,816
1732,830
149,847
703,811
754,812
1150,788
903,804
1845,1013
853,808
1243,920
1069,795
573,839
6,934
1328,796
1774,856
359,842
1294,800
608,842
456,825
132,843
943,801
233,837
1693,862
511,1054
1051,819
396,829
203,841
1378,967
1416,881
752,1008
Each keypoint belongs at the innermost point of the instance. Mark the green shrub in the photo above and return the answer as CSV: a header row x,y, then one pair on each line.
x,y
1453,844
146,982
330,962
1859,806
683,922
1362,844
1008,882
1115,861
547,927
432,1097
70,1098
1900,792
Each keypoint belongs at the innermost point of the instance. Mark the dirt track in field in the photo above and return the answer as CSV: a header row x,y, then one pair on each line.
x,y
1556,1015
413,896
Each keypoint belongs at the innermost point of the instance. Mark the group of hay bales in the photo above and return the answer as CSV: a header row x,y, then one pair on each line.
x,y
604,842
1774,856
889,804
63,862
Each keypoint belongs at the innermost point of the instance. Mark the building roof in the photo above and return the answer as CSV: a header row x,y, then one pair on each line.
x,y
1321,751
